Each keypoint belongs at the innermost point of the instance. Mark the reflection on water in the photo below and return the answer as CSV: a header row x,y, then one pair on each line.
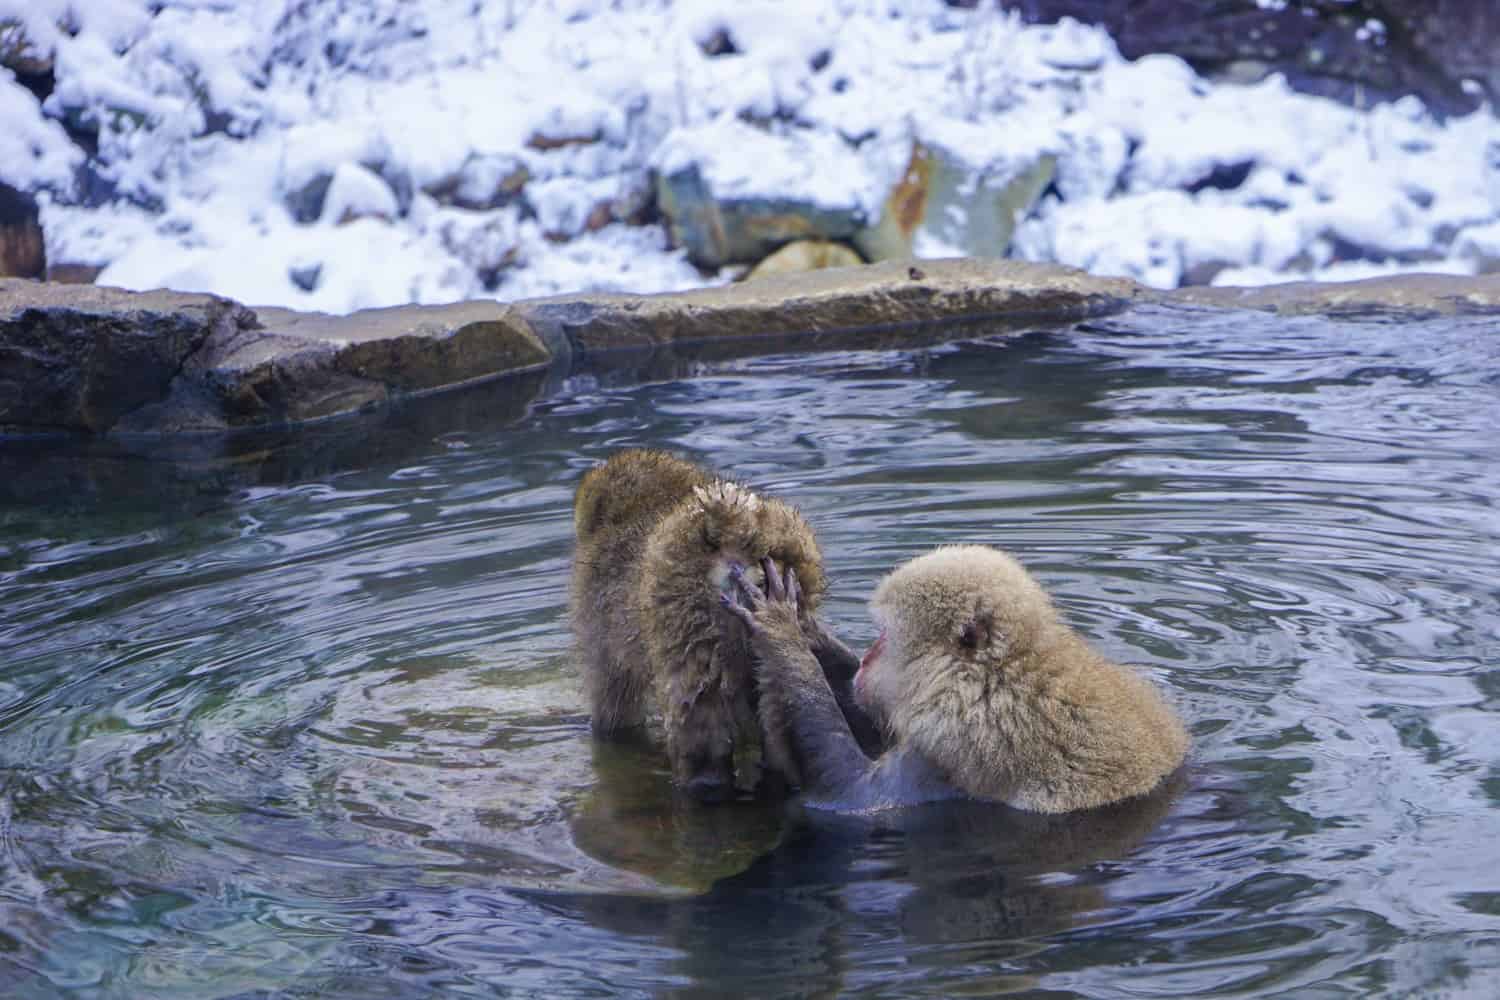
x,y
313,728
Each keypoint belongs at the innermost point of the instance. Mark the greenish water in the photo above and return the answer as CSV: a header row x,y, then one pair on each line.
x,y
290,727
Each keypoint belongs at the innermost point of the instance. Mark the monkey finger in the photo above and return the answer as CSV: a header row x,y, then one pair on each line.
x,y
774,588
793,588
737,609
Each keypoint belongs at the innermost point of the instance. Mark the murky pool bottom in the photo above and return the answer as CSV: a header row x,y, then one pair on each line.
x,y
323,737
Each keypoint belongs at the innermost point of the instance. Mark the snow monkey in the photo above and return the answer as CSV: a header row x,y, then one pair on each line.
x,y
657,539
983,690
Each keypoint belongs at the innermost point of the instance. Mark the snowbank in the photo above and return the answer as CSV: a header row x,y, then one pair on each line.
x,y
334,154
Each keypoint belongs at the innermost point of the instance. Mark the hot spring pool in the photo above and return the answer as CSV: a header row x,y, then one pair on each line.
x,y
323,735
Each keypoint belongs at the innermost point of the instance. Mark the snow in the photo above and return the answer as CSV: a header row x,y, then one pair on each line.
x,y
34,151
493,149
356,192
815,167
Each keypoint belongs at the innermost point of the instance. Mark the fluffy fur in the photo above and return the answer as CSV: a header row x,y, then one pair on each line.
x,y
981,677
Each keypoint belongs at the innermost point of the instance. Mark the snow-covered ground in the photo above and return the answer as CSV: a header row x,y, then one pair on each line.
x,y
219,115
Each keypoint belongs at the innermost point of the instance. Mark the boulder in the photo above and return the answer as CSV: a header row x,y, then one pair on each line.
x,y
732,193
805,255
950,202
718,231
86,358
354,192
81,357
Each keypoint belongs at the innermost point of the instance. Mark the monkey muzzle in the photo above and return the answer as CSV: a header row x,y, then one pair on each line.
x,y
871,655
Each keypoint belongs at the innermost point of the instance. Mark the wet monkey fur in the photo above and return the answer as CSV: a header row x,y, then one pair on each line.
x,y
657,538
982,689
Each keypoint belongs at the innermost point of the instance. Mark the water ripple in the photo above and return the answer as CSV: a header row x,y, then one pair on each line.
x,y
327,737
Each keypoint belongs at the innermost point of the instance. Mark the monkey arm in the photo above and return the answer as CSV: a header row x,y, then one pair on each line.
x,y
796,698
796,701
836,773
840,664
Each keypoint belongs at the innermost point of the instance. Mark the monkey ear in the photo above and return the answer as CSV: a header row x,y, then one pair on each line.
x,y
976,632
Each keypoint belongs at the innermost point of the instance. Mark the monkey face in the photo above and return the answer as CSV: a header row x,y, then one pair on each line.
x,y
723,565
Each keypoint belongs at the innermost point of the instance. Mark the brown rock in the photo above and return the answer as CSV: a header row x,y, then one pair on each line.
x,y
542,142
23,253
805,255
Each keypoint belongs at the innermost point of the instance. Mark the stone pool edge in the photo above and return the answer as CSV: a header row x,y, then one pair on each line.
x,y
83,358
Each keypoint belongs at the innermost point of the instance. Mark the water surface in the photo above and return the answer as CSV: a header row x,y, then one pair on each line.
x,y
303,729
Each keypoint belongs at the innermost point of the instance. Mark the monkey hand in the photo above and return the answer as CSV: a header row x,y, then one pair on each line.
x,y
772,614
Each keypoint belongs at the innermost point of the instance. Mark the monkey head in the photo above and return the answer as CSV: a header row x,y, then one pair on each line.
x,y
738,526
952,622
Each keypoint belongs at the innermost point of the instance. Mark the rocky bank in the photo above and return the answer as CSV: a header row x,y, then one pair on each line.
x,y
96,360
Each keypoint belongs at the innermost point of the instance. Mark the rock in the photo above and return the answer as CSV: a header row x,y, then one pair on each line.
x,y
568,206
805,255
543,141
1480,244
306,277
484,182
293,367
23,252
70,273
719,231
947,204
1355,52
85,358
80,357
723,207
305,203
852,303
357,192
487,242
1410,295
20,55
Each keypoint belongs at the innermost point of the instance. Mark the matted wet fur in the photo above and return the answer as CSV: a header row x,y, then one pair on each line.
x,y
656,539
